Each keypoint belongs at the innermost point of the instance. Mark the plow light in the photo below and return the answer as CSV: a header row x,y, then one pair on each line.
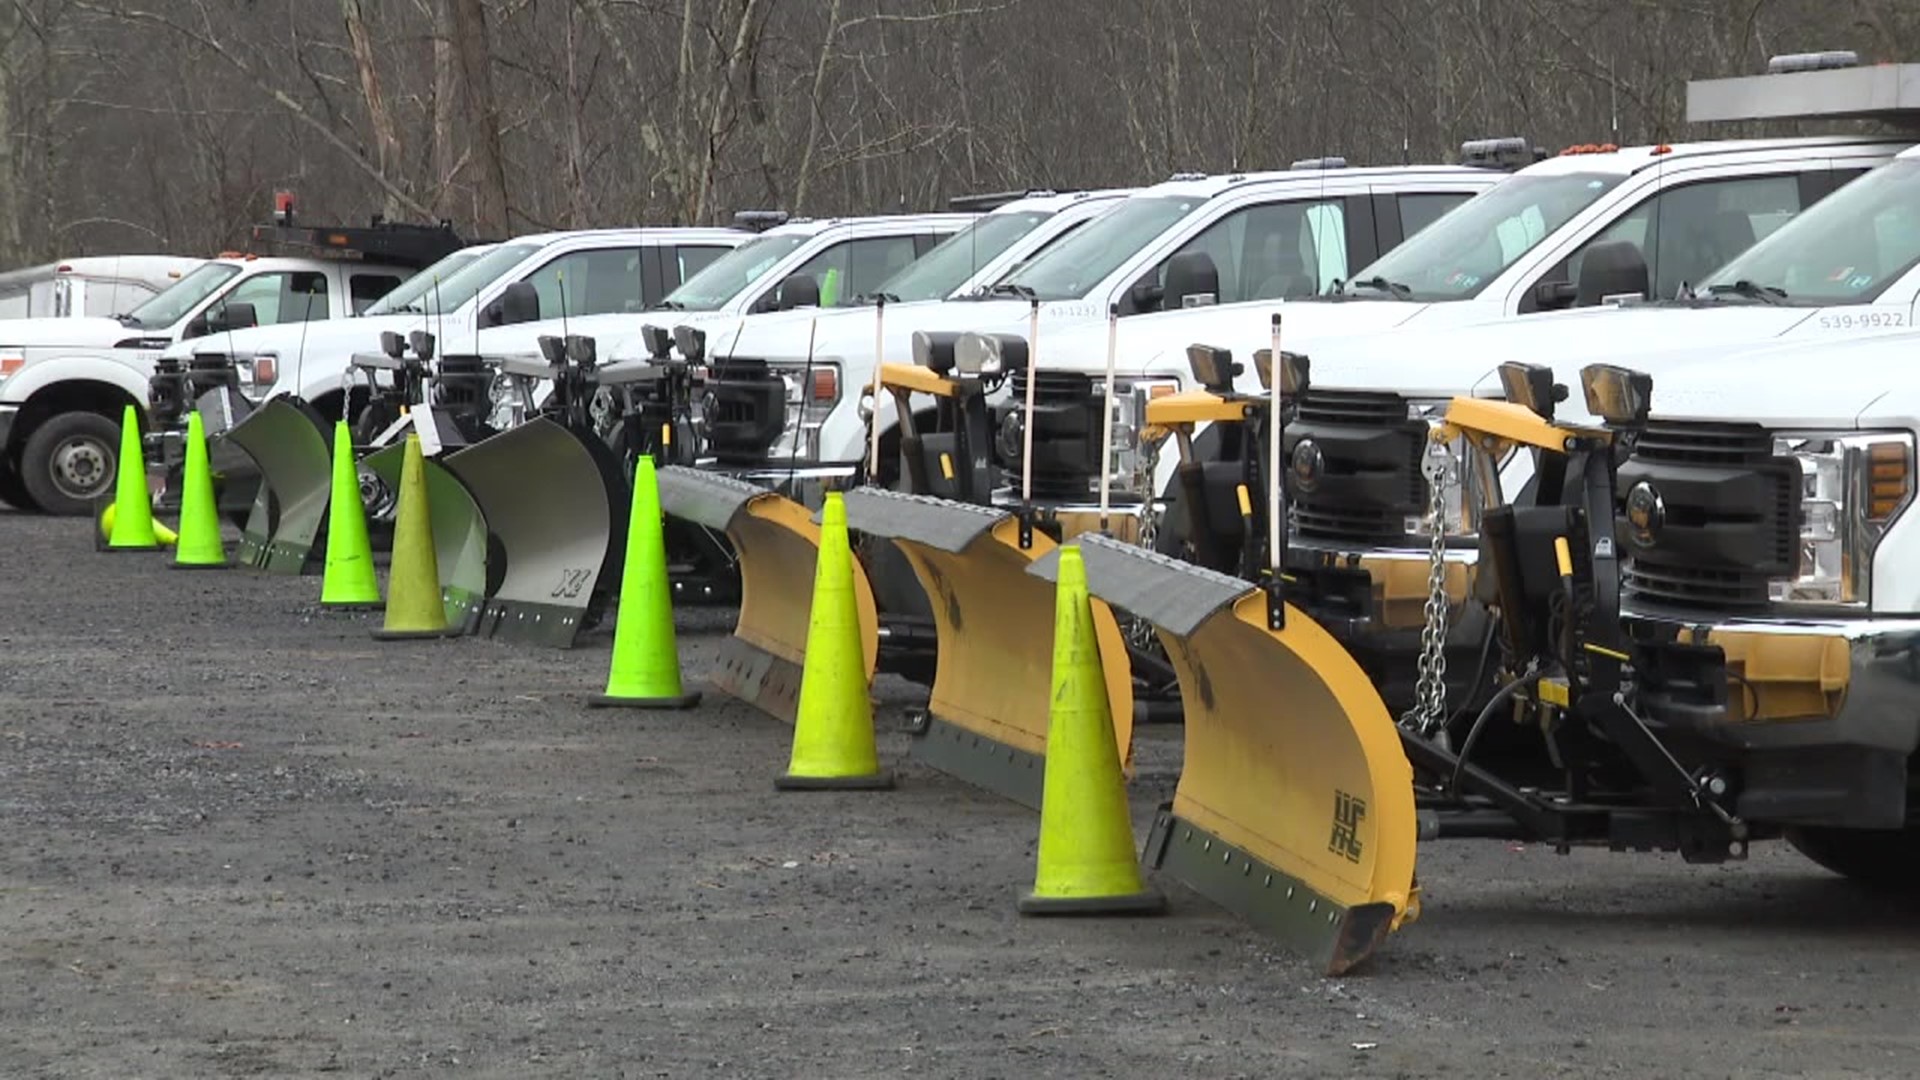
x,y
422,343
553,349
933,350
1294,368
990,354
1531,385
583,350
691,342
1213,368
657,341
1620,396
393,344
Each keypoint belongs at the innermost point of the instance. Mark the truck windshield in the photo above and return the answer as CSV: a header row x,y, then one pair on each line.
x,y
1845,249
935,275
729,275
458,287
1070,269
1461,253
406,295
173,303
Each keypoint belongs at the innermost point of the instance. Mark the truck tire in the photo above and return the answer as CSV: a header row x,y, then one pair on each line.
x,y
12,491
69,461
1884,859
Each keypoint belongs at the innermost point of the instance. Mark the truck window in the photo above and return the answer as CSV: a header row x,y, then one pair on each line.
x,y
692,260
109,298
1421,209
1689,231
1848,248
855,268
14,303
364,290
1274,251
286,297
599,282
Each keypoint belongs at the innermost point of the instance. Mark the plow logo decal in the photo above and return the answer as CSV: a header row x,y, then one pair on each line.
x,y
1348,812
571,583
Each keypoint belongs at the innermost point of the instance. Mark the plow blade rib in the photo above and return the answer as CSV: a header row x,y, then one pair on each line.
x,y
554,505
777,543
288,442
459,535
987,717
1295,806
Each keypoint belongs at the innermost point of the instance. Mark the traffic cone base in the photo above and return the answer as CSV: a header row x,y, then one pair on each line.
x,y
645,670
199,546
1086,862
1147,902
833,745
681,701
166,536
413,635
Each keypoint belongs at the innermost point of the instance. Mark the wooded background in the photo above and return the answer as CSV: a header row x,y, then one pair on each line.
x,y
165,125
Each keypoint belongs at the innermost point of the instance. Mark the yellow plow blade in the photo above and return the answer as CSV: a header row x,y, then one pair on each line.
x,y
987,718
288,442
555,507
1295,807
776,542
459,535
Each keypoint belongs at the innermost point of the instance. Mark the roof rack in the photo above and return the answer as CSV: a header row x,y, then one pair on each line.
x,y
1512,152
1812,86
980,204
1187,176
1335,162
381,241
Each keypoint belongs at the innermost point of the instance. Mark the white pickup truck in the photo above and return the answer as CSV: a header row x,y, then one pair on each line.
x,y
64,382
1192,240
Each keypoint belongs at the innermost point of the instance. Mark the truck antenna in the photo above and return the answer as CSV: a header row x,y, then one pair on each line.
x,y
873,420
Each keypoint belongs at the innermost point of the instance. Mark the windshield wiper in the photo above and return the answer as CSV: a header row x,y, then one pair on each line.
x,y
670,305
1380,284
871,299
1009,288
128,321
1766,294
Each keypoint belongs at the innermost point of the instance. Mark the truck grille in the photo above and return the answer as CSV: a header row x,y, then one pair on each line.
x,y
1365,461
1709,515
1066,434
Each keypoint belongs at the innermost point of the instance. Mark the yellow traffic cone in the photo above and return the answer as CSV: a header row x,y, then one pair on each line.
x,y
646,656
132,528
414,606
833,729
1087,862
348,582
199,546
165,535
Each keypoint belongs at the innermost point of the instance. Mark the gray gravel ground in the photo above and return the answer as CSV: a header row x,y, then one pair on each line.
x,y
242,839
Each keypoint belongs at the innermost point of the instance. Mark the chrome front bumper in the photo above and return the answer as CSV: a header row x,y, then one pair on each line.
x,y
1809,683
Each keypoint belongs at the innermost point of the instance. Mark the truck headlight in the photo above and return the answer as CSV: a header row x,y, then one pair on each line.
x,y
1130,454
1472,482
812,390
1852,486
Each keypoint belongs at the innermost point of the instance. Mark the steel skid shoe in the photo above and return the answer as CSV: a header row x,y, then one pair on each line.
x,y
779,544
554,502
986,720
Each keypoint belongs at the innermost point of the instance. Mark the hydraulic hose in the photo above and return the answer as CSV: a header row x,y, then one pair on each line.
x,y
1500,697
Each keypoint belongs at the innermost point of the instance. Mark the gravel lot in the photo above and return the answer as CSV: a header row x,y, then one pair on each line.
x,y
243,839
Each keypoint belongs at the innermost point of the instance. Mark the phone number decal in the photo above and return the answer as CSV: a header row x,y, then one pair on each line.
x,y
1865,320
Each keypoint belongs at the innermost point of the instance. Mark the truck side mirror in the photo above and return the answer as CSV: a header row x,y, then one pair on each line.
x,y
1553,295
196,327
236,316
517,303
798,291
1144,295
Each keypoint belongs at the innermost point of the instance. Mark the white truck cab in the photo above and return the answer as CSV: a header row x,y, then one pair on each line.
x,y
64,382
1193,240
518,281
92,285
842,261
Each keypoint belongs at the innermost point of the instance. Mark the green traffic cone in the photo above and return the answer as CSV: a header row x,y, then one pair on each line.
x,y
645,673
199,546
833,747
132,502
348,582
415,608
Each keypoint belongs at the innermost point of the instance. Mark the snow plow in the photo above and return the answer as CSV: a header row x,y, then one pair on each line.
x,y
1302,796
287,441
